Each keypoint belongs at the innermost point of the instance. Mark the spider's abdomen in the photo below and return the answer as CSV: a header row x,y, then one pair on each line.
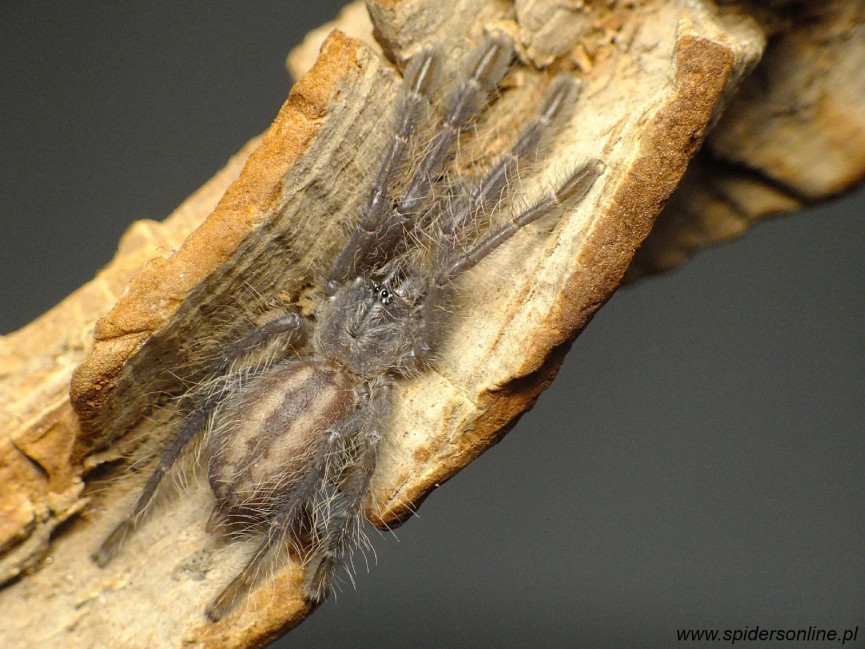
x,y
266,441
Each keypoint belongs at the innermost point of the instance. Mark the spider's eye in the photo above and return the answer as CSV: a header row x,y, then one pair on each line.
x,y
382,293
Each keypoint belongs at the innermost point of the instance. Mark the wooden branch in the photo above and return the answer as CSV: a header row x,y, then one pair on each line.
x,y
655,79
793,135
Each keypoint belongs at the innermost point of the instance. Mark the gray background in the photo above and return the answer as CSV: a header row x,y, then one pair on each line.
x,y
698,462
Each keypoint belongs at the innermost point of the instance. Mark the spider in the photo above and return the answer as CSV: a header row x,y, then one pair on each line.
x,y
293,417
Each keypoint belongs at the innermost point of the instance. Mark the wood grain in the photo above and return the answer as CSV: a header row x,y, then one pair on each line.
x,y
656,78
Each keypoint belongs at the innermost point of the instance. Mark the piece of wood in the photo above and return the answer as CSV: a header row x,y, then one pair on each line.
x,y
672,68
793,135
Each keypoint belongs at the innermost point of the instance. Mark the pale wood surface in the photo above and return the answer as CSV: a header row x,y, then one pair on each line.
x,y
674,67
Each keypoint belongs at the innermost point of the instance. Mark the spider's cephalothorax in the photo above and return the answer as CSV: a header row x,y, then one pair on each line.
x,y
294,416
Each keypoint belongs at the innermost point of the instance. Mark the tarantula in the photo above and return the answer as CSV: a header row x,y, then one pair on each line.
x,y
294,415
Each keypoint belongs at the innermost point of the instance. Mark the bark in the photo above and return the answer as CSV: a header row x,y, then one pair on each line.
x,y
656,78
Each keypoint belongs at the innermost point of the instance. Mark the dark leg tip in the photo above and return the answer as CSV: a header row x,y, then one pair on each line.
x,y
102,557
215,611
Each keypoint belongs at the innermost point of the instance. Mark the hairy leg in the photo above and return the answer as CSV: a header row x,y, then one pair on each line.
x,y
485,196
377,239
433,310
413,105
573,190
290,326
340,530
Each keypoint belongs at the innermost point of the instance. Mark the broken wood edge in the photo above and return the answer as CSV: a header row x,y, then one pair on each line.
x,y
40,473
792,136
158,289
703,69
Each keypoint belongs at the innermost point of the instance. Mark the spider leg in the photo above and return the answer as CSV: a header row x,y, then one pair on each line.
x,y
188,430
574,189
291,326
377,238
416,90
340,531
450,264
487,66
562,91
291,516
